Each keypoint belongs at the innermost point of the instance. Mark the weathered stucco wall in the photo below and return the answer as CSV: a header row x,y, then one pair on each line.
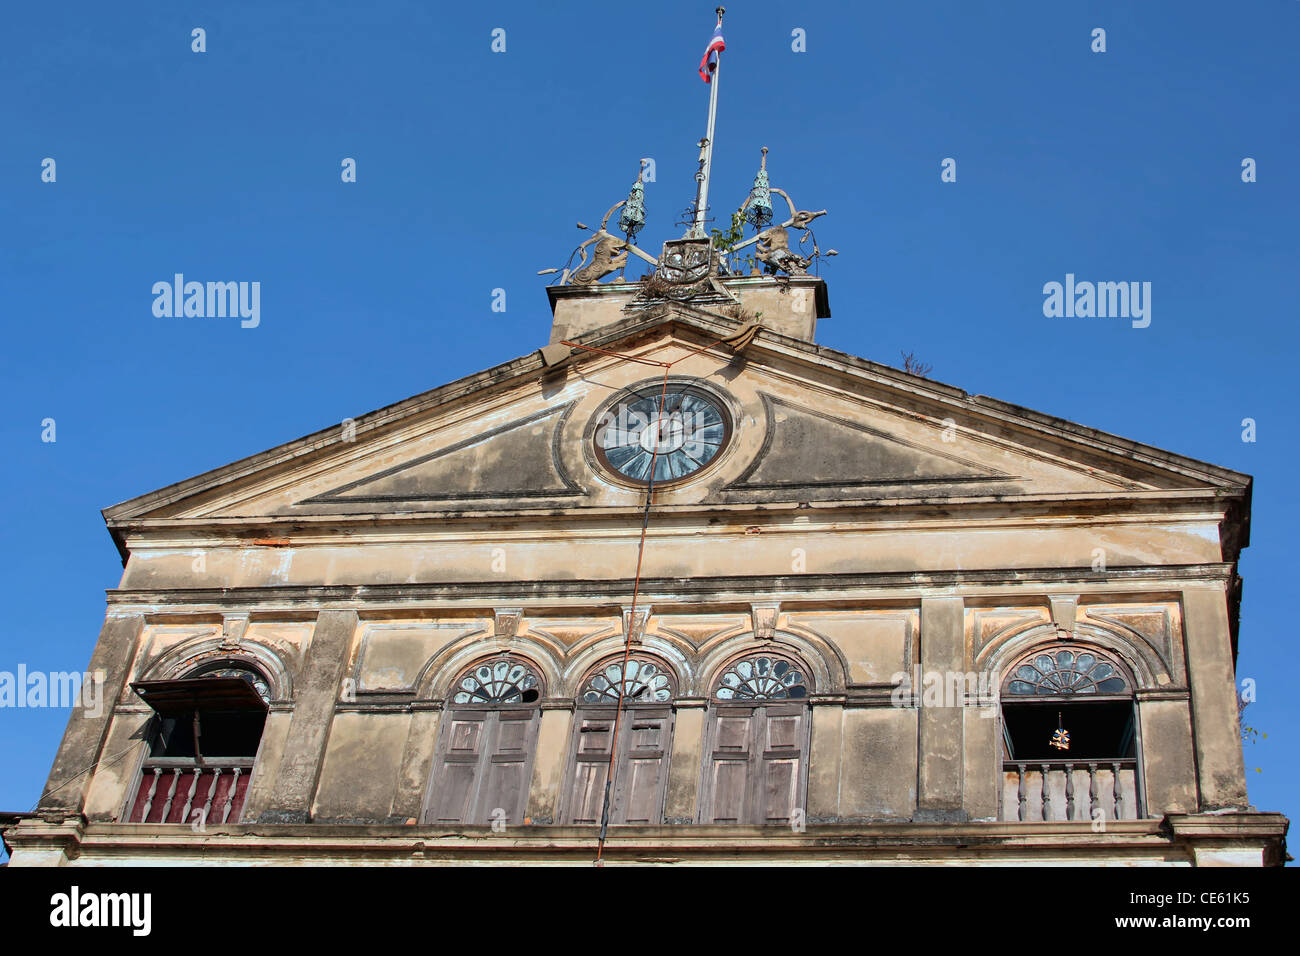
x,y
367,722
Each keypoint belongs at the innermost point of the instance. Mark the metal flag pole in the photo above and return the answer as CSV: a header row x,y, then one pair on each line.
x,y
702,177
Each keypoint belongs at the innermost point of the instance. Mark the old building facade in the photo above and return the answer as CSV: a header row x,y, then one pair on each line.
x,y
845,627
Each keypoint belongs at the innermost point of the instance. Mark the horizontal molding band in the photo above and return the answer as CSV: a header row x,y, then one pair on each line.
x,y
712,589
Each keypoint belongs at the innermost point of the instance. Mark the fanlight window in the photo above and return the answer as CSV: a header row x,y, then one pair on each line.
x,y
1066,671
243,673
644,682
504,681
762,677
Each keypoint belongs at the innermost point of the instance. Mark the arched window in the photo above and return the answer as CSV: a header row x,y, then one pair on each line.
x,y
762,677
505,681
1069,737
1066,671
757,742
486,743
646,687
207,730
644,681
244,672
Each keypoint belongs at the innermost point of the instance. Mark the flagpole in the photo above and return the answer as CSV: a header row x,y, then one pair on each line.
x,y
702,190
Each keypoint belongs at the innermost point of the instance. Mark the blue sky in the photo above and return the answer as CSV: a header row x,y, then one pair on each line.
x,y
473,167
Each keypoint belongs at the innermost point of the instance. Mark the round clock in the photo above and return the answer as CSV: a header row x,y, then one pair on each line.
x,y
680,432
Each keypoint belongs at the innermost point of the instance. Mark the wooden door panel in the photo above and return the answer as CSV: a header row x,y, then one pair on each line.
x,y
456,772
509,766
783,732
505,788
733,734
484,764
758,766
778,795
594,735
641,772
514,732
642,776
466,736
730,780
640,791
587,794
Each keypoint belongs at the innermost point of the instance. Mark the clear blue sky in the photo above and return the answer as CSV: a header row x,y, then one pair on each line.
x,y
473,167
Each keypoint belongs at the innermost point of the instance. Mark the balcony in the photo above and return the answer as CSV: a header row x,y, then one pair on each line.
x,y
1050,790
181,790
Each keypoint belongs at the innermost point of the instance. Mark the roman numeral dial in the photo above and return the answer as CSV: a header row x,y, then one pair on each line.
x,y
676,434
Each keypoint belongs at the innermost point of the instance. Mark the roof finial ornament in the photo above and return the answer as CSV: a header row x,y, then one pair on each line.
x,y
610,254
773,242
694,263
760,198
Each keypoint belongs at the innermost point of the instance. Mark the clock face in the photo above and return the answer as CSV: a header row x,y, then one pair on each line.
x,y
680,433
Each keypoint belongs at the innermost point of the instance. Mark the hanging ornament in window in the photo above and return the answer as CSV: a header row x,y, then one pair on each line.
x,y
1061,739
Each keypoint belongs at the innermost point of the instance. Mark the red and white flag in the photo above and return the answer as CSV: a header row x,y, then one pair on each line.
x,y
710,61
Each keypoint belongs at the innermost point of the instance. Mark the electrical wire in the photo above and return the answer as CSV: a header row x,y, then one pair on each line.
x,y
636,581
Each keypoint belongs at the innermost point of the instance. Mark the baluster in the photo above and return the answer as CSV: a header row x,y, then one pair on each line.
x,y
1069,792
189,797
1047,796
1117,789
153,788
212,792
171,794
230,795
1094,792
1022,793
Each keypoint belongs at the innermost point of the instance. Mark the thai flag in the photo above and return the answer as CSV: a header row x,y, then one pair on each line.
x,y
710,61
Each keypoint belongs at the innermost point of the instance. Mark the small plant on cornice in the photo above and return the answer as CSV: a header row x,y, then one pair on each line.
x,y
914,365
725,240
655,286
739,313
1248,733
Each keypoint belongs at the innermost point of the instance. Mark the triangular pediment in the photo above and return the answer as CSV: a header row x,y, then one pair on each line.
x,y
806,449
810,424
519,459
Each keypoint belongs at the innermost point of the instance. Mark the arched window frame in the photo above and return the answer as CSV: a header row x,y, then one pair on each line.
x,y
235,668
760,673
643,749
180,781
486,744
642,671
1067,786
1117,670
757,743
514,681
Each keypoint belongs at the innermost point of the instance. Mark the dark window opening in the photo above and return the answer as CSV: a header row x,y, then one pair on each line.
x,y
220,734
1099,730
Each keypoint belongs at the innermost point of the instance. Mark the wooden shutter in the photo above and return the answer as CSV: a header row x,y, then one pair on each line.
x,y
756,763
727,779
457,771
593,731
641,777
783,735
509,766
484,763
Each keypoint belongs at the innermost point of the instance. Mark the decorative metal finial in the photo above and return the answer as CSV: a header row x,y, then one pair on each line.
x,y
758,212
632,218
